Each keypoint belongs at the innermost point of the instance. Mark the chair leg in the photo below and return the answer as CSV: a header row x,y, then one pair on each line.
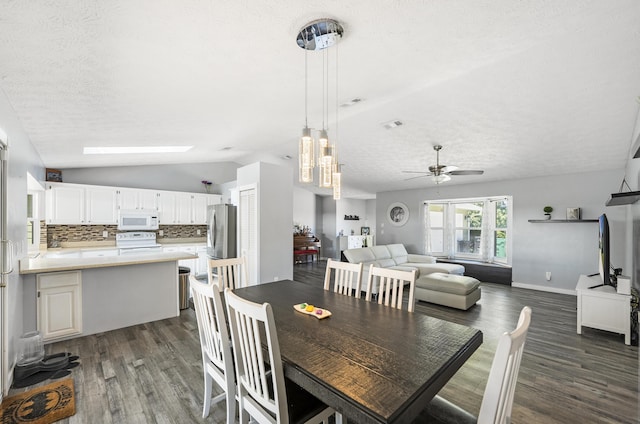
x,y
208,386
231,404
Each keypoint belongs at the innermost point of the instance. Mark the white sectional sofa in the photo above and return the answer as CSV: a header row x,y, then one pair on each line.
x,y
395,256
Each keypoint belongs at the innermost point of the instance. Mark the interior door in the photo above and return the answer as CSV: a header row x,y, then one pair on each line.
x,y
6,262
248,232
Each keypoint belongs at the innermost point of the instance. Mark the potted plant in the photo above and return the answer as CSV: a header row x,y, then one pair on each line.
x,y
547,212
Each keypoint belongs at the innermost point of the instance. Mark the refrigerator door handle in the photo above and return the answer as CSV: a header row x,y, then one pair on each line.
x,y
8,254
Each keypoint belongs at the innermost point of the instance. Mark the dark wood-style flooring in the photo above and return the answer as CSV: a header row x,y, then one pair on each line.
x,y
152,373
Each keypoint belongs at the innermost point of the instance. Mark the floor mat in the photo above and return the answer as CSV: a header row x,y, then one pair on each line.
x,y
42,405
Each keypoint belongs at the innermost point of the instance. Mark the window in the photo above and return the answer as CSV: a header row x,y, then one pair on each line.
x,y
33,224
475,229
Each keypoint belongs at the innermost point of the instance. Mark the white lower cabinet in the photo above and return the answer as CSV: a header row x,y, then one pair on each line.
x,y
202,261
59,305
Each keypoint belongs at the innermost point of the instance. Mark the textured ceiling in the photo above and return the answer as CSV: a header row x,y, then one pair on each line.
x,y
518,89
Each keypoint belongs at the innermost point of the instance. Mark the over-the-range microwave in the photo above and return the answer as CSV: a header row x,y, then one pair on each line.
x,y
138,219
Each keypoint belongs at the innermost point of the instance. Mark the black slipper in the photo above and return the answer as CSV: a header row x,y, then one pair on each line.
x,y
53,362
39,377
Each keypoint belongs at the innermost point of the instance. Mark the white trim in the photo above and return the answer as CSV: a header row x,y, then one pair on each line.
x,y
543,288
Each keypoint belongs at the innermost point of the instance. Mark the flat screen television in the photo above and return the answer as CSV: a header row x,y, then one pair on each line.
x,y
604,265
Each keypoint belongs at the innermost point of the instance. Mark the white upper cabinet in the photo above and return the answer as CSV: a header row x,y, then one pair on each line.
x,y
200,203
65,204
101,205
98,205
132,198
81,204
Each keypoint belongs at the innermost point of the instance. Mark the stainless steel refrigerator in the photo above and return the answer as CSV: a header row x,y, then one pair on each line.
x,y
221,231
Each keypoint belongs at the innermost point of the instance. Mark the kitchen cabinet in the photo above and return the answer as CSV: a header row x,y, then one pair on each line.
x,y
174,207
202,262
65,204
59,304
81,204
198,267
199,205
132,198
101,205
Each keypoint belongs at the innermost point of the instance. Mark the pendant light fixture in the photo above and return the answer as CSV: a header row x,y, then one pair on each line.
x,y
319,35
306,148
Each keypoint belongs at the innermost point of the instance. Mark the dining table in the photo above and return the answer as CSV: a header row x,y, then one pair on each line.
x,y
370,362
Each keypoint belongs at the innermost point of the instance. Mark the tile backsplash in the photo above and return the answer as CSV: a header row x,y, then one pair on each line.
x,y
57,234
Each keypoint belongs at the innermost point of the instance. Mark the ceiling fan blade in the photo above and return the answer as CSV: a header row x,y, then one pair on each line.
x,y
416,172
466,172
447,169
419,176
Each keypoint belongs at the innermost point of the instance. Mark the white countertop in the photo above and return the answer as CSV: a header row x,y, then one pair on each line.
x,y
71,259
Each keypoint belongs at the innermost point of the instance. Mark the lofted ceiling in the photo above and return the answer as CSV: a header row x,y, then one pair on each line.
x,y
518,89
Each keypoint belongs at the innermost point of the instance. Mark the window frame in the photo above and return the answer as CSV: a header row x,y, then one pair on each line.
x,y
488,229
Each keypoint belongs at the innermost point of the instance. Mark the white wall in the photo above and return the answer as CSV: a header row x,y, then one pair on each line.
x,y
175,177
567,250
275,208
632,176
23,159
304,209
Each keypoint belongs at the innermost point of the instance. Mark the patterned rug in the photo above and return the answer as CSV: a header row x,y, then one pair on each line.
x,y
42,405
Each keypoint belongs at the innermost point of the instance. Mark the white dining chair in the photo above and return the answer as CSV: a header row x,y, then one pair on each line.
x,y
391,284
497,401
266,398
217,362
347,277
231,272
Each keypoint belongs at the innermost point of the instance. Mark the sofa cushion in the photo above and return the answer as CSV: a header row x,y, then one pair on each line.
x,y
448,283
381,252
398,253
363,254
386,263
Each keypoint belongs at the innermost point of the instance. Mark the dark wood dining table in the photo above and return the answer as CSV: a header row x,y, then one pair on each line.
x,y
370,362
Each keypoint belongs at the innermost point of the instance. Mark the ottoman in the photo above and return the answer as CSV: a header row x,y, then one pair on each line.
x,y
455,291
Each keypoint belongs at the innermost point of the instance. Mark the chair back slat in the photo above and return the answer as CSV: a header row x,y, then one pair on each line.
x,y
212,330
252,327
501,385
215,343
347,277
391,284
231,272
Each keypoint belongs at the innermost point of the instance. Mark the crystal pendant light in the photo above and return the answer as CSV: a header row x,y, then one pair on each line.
x,y
337,177
306,147
318,35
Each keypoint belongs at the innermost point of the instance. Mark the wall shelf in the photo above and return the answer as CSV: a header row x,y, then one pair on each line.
x,y
557,221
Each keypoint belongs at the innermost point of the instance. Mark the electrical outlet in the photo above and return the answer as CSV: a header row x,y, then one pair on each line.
x,y
105,234
198,232
161,233
548,275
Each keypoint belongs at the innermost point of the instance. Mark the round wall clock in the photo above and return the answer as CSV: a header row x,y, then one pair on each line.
x,y
398,214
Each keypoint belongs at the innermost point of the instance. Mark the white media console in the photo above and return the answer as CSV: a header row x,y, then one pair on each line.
x,y
603,307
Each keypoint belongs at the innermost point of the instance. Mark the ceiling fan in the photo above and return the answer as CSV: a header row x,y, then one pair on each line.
x,y
441,173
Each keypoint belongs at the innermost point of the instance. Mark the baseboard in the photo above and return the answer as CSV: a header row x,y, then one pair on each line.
x,y
543,288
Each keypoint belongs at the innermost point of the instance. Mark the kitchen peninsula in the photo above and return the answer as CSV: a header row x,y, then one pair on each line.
x,y
81,292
